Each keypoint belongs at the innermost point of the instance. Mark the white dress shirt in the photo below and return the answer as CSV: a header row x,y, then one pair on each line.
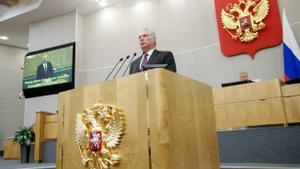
x,y
148,57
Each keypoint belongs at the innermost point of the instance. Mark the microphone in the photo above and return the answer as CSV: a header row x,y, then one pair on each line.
x,y
127,57
113,68
129,63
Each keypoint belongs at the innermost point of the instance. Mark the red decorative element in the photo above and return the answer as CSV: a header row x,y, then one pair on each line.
x,y
95,141
269,36
245,22
286,78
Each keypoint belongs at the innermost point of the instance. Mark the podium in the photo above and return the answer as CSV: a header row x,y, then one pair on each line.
x,y
170,121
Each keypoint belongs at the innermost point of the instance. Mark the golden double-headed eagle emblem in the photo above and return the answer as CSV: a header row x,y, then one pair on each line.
x,y
245,18
99,130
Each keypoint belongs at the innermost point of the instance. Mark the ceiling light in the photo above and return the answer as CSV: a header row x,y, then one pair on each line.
x,y
103,3
3,37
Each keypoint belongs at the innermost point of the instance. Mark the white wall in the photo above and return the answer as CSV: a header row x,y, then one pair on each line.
x,y
188,28
79,79
44,34
11,107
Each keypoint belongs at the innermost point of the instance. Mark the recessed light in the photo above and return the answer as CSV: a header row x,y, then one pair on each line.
x,y
4,38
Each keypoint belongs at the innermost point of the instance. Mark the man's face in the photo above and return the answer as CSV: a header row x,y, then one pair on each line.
x,y
243,76
45,58
146,41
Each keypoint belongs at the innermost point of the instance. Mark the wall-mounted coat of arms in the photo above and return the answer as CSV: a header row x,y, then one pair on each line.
x,y
246,23
246,26
99,130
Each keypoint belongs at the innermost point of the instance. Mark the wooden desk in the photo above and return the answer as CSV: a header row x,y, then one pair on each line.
x,y
291,97
250,104
11,150
45,129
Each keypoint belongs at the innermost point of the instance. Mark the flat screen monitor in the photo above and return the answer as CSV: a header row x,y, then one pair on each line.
x,y
49,71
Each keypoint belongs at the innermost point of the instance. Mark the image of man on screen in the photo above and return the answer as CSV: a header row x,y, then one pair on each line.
x,y
45,69
147,41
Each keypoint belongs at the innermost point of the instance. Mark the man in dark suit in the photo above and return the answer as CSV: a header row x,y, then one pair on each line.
x,y
45,69
147,40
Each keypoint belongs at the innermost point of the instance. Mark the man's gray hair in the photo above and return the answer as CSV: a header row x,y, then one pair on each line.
x,y
150,32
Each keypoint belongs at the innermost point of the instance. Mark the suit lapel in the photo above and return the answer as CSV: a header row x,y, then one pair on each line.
x,y
153,57
136,67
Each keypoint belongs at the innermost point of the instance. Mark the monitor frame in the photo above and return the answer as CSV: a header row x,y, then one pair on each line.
x,y
51,89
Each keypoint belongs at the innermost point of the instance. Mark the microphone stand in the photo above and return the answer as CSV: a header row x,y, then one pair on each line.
x,y
121,66
129,63
113,69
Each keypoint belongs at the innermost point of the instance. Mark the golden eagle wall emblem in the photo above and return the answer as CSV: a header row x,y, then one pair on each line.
x,y
99,131
245,19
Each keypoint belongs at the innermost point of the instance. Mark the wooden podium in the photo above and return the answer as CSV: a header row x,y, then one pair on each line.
x,y
170,121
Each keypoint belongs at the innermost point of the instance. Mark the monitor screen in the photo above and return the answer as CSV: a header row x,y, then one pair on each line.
x,y
49,71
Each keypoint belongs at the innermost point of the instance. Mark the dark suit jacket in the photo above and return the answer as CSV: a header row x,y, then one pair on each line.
x,y
157,57
42,74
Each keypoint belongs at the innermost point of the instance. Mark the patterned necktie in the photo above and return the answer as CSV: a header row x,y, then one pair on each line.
x,y
144,61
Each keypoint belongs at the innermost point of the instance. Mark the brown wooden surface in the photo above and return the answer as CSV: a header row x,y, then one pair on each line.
x,y
291,90
177,111
292,109
182,123
247,92
39,135
11,150
127,93
291,96
45,129
50,131
251,113
51,118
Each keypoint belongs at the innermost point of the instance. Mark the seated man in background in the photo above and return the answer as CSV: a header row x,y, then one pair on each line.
x,y
147,41
244,76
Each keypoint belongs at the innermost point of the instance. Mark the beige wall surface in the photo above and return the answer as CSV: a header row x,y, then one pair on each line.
x,y
11,107
188,28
